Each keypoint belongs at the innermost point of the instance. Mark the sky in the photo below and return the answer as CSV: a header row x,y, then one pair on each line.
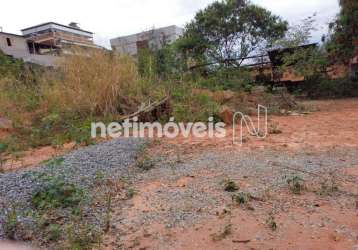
x,y
113,18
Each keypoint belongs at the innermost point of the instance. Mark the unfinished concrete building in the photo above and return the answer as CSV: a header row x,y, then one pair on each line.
x,y
42,44
50,38
16,46
152,39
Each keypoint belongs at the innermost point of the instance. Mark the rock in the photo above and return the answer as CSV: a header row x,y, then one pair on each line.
x,y
241,241
223,96
258,90
292,113
228,95
226,114
252,111
13,246
5,124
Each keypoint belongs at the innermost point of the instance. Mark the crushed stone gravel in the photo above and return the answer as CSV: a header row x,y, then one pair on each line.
x,y
80,167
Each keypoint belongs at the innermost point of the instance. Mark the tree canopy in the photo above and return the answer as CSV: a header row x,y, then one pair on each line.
x,y
344,40
227,31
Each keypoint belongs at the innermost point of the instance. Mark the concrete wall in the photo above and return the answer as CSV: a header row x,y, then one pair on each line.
x,y
156,38
19,50
44,60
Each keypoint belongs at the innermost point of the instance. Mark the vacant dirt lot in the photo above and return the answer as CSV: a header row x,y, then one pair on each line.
x,y
297,189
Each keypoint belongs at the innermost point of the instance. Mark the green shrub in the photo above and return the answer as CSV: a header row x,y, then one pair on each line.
x,y
9,66
296,184
230,186
82,236
56,193
54,232
145,162
227,79
318,87
53,163
130,192
192,105
241,198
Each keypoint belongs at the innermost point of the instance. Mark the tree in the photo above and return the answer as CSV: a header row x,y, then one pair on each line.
x,y
298,34
344,38
310,62
304,59
227,31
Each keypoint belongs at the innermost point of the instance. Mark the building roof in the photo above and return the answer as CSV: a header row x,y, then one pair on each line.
x,y
11,34
276,55
65,26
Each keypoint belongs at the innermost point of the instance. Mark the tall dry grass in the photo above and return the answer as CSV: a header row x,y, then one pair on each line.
x,y
97,83
59,105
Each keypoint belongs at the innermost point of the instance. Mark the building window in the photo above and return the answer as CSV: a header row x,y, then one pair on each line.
x,y
8,40
354,72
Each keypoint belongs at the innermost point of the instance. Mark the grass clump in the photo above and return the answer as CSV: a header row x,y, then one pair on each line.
x,y
55,162
10,223
145,162
3,148
274,129
328,187
296,184
82,237
54,232
225,233
60,212
271,222
56,193
241,198
130,193
230,186
143,159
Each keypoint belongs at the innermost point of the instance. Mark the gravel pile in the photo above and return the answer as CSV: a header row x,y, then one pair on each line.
x,y
263,169
201,197
79,167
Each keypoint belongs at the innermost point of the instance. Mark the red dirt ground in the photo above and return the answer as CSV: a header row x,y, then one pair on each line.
x,y
34,157
321,224
334,125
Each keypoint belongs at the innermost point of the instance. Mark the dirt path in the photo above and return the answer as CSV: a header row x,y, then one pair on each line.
x,y
182,204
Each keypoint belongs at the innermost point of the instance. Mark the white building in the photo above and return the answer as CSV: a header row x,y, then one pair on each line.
x,y
153,39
